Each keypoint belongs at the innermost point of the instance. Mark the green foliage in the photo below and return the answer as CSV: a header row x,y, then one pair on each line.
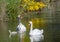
x,y
13,8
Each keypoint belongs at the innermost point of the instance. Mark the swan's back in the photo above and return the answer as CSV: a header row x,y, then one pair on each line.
x,y
36,32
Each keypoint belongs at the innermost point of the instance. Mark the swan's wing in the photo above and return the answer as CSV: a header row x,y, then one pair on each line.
x,y
21,28
37,31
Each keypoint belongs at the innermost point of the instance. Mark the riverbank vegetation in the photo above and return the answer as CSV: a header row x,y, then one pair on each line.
x,y
24,7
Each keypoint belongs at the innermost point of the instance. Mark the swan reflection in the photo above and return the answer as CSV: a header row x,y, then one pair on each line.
x,y
36,38
12,33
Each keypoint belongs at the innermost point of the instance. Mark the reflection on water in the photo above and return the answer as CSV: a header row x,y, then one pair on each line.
x,y
12,33
50,33
21,36
16,38
38,38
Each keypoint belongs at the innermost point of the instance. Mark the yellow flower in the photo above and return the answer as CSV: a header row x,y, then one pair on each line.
x,y
31,3
36,7
37,3
42,4
31,8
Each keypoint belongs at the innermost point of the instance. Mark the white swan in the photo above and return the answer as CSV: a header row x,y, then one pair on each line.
x,y
12,33
21,29
35,31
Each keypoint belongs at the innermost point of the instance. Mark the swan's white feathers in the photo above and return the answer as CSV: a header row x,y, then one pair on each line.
x,y
34,31
21,28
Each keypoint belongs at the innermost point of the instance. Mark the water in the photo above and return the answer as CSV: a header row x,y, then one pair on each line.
x,y
51,32
11,25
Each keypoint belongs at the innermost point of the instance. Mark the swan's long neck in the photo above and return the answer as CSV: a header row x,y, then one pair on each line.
x,y
31,27
19,20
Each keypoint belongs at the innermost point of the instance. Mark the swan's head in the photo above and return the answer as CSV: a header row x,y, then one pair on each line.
x,y
30,23
19,17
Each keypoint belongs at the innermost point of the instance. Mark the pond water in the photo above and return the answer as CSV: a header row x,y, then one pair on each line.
x,y
50,32
12,25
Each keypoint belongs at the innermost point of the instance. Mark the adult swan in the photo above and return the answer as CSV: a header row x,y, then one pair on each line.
x,y
20,28
34,32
